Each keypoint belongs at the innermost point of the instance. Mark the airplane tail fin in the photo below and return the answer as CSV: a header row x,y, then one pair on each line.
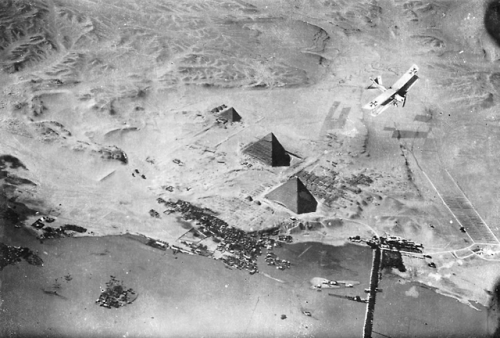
x,y
376,84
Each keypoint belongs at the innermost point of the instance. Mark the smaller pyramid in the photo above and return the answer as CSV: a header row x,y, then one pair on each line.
x,y
294,195
230,115
269,151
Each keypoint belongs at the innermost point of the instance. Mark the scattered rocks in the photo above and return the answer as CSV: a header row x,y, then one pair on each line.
x,y
136,171
153,213
168,188
113,153
218,108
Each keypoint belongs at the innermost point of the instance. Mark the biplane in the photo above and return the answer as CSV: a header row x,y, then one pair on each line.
x,y
394,95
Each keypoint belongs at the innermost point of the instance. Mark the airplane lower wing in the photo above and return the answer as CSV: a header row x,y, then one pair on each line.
x,y
395,94
379,110
381,100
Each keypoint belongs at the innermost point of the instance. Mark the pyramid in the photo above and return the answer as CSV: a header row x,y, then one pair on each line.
x,y
294,195
230,115
269,151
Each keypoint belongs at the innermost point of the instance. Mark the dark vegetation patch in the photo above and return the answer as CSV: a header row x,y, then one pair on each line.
x,y
494,308
116,295
10,255
392,259
66,230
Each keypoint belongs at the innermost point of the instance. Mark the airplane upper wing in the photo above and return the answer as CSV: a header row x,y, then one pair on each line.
x,y
381,100
407,80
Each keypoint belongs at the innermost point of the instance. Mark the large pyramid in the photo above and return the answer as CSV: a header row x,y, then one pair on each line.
x,y
294,195
269,151
230,115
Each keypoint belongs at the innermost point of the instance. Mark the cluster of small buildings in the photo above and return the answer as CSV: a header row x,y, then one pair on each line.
x,y
40,223
394,243
285,238
241,262
157,244
49,232
196,248
240,249
218,109
281,264
360,179
324,187
399,244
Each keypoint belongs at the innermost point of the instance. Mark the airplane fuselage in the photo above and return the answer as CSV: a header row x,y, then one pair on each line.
x,y
399,98
394,95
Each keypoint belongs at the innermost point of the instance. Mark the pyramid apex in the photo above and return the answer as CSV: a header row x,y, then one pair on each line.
x,y
270,137
293,194
269,151
230,114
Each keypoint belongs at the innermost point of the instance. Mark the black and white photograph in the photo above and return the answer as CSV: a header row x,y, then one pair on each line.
x,y
250,168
